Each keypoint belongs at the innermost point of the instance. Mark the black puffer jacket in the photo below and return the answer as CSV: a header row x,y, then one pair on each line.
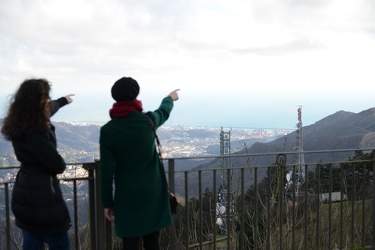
x,y
37,201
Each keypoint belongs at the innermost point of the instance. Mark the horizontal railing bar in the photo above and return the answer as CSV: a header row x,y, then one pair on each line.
x,y
76,179
269,153
61,179
239,155
272,165
68,164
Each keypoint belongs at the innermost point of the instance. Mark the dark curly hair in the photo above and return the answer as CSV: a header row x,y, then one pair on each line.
x,y
29,110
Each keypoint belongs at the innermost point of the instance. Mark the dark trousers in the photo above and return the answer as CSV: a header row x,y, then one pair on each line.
x,y
36,242
149,242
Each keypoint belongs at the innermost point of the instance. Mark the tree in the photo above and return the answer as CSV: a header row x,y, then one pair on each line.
x,y
328,174
359,174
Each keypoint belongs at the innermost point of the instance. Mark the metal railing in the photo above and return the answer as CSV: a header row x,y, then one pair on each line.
x,y
80,187
258,201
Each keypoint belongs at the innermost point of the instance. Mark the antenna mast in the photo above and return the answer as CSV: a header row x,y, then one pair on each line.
x,y
225,150
299,160
225,204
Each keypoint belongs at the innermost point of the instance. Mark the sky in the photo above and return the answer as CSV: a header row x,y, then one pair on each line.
x,y
237,63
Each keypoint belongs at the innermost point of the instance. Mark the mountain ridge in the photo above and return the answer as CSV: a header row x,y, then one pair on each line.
x,y
340,130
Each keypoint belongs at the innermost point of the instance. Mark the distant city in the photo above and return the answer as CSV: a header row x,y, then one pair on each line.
x,y
190,144
177,141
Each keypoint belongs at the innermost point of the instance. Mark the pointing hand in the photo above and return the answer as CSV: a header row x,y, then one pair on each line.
x,y
174,94
68,98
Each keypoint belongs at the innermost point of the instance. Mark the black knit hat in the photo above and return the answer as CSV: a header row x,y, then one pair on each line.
x,y
125,89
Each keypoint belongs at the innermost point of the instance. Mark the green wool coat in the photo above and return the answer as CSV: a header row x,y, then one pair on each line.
x,y
128,156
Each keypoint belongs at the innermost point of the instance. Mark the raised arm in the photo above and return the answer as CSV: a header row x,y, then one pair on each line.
x,y
160,115
59,103
174,95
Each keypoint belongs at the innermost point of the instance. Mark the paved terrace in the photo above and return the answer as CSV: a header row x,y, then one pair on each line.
x,y
251,201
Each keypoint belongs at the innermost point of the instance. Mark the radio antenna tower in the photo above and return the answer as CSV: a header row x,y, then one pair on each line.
x,y
225,150
299,160
225,204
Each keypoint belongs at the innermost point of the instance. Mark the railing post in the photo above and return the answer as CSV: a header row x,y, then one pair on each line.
x,y
228,210
92,206
172,228
281,162
100,229
256,223
76,228
269,190
104,239
281,200
200,209
97,220
305,212
187,224
242,231
373,198
7,213
317,200
215,204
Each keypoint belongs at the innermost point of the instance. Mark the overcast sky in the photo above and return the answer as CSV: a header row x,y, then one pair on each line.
x,y
238,63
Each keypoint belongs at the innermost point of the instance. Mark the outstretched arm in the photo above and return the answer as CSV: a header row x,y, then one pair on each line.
x,y
69,98
160,115
61,102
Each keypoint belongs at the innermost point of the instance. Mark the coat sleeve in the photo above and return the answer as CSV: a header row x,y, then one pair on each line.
x,y
38,149
107,168
161,115
57,104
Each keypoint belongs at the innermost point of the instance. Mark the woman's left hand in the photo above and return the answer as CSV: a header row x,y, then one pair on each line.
x,y
68,98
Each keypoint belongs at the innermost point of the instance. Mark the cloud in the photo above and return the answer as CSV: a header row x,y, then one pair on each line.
x,y
233,54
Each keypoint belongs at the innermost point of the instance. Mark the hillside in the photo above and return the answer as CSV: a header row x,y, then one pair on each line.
x,y
75,143
80,142
341,130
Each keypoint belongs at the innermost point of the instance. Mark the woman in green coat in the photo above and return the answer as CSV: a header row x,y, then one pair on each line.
x,y
138,202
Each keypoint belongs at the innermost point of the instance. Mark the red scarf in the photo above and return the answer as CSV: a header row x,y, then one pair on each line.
x,y
122,109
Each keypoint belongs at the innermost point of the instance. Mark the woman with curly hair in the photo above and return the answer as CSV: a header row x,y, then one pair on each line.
x,y
37,201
